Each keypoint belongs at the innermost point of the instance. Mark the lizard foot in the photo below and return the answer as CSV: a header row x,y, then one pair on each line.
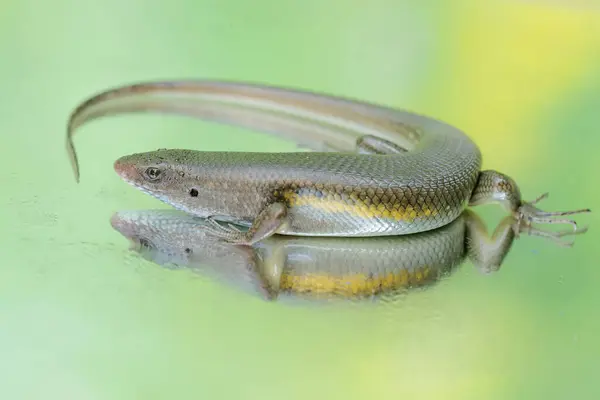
x,y
229,232
528,213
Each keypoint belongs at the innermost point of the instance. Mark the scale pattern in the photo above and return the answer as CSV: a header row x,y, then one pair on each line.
x,y
327,194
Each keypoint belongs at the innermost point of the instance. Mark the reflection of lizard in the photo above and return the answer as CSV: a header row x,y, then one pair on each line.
x,y
323,266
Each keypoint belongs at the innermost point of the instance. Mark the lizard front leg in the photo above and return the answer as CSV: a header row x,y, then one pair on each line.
x,y
268,221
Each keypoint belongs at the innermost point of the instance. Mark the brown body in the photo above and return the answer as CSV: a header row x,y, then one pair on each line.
x,y
384,172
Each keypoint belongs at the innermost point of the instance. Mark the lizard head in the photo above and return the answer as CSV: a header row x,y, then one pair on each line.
x,y
170,176
158,173
149,170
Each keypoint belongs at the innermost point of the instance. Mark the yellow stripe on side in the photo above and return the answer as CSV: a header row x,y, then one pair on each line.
x,y
358,207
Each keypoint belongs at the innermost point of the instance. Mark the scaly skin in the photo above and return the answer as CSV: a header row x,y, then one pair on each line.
x,y
384,171
347,268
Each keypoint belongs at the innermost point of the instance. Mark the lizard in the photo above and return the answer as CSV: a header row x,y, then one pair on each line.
x,y
380,171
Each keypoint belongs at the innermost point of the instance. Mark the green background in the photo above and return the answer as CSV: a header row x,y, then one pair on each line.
x,y
81,318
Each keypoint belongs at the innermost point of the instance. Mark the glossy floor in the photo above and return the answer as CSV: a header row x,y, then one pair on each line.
x,y
83,318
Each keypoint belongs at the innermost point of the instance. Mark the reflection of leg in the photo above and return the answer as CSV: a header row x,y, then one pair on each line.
x,y
266,284
487,253
554,236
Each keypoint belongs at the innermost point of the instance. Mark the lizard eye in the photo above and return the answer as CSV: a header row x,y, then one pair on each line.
x,y
153,173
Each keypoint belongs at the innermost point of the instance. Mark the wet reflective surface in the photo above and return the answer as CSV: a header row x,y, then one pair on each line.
x,y
83,317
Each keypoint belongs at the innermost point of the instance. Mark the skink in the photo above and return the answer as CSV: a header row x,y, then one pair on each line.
x,y
382,172
322,268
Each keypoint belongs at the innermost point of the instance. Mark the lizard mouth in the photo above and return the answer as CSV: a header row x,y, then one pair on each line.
x,y
126,171
129,173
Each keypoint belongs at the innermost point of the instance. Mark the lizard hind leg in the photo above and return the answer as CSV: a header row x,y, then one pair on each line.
x,y
493,186
529,213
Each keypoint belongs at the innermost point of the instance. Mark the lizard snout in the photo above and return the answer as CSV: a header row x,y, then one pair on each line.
x,y
125,170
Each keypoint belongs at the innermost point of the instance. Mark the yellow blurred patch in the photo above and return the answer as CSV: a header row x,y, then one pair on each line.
x,y
510,61
354,284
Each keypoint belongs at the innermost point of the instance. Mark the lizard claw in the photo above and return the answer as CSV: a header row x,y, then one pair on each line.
x,y
528,213
230,232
